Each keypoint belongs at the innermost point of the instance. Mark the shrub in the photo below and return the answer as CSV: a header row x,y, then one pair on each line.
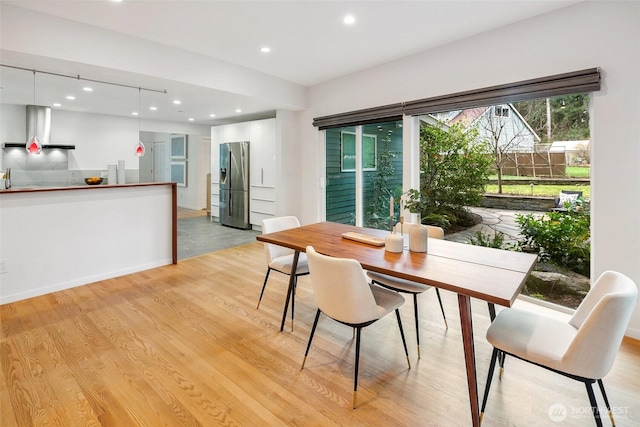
x,y
562,238
454,170
487,240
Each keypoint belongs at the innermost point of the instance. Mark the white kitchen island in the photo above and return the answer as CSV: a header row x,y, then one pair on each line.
x,y
58,238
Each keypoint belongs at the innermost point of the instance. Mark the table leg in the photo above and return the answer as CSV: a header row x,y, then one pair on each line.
x,y
464,305
292,279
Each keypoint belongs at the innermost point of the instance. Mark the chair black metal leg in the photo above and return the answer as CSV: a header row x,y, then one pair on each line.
x,y
355,376
293,299
492,367
264,285
415,313
492,310
606,402
446,325
313,331
501,355
594,403
404,342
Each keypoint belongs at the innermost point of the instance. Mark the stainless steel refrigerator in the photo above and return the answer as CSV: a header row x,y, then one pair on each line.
x,y
234,184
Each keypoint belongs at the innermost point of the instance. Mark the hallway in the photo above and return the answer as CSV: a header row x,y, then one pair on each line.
x,y
198,235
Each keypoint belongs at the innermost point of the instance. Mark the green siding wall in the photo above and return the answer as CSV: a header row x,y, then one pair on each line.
x,y
340,186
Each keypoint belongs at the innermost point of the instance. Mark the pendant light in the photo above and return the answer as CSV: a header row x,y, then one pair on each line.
x,y
33,143
139,149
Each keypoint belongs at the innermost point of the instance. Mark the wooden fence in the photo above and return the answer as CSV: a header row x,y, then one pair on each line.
x,y
535,163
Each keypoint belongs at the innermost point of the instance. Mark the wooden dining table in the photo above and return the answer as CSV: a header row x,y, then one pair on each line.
x,y
492,275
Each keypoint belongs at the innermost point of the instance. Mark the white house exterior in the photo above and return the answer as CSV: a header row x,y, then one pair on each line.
x,y
503,122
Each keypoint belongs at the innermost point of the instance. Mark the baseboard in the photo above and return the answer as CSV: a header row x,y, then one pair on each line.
x,y
6,299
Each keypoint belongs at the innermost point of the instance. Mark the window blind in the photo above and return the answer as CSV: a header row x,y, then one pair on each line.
x,y
545,87
583,81
386,113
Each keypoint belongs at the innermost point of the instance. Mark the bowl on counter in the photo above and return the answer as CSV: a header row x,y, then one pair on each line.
x,y
94,180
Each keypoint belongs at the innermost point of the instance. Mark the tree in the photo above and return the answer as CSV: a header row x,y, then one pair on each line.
x,y
568,117
501,134
453,169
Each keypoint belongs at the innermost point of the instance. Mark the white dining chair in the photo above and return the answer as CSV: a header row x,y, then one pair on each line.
x,y
280,258
413,288
341,291
584,348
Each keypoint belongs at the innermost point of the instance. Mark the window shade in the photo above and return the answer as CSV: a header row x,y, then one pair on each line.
x,y
386,113
560,84
545,87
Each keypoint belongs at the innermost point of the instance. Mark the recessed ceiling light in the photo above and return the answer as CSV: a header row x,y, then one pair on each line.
x,y
212,115
265,49
135,113
153,108
238,110
87,89
177,102
349,19
191,119
57,104
71,97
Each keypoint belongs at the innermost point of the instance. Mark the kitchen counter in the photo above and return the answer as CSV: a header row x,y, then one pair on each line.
x,y
54,238
32,188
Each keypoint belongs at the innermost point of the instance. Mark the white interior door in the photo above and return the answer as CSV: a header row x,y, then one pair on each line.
x,y
161,162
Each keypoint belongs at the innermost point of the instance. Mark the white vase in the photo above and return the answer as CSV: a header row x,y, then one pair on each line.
x,y
418,238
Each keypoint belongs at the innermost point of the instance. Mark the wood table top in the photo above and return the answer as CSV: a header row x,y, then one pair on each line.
x,y
492,275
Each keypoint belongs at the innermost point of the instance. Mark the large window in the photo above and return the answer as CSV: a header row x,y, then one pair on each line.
x,y
538,148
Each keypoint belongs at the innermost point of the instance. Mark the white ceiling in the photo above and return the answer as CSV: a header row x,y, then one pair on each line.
x,y
309,42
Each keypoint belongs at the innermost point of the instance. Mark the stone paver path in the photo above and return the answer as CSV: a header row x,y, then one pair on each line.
x,y
493,220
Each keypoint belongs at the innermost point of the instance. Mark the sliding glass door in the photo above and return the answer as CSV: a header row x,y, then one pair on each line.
x,y
363,170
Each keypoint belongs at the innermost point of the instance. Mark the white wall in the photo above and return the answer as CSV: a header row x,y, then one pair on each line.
x,y
589,34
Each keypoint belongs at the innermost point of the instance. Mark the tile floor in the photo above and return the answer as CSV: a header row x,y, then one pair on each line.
x,y
199,235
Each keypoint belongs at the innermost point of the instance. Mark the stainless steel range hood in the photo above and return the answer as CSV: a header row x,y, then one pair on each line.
x,y
39,124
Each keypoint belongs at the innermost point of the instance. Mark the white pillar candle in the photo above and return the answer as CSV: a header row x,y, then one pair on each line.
x,y
391,207
418,238
393,243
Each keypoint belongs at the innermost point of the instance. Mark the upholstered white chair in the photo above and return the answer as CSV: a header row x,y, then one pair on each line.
x,y
409,287
280,258
584,348
341,291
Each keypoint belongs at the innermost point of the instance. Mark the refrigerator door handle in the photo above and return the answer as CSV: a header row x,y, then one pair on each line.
x,y
229,174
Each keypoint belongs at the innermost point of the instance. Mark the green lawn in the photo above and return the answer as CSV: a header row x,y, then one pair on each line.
x,y
539,190
570,171
578,171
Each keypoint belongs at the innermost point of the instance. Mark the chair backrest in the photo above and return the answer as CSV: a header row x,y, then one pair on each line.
x,y
340,288
271,225
601,320
435,232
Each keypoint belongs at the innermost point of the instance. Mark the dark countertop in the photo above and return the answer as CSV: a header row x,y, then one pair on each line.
x,y
35,189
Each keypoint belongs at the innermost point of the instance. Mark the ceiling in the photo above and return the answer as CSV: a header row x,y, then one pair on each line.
x,y
309,43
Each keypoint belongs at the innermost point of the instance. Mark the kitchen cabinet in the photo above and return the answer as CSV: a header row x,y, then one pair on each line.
x,y
217,137
263,153
262,193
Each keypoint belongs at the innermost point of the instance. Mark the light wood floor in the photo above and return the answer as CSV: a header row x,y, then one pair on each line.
x,y
185,345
